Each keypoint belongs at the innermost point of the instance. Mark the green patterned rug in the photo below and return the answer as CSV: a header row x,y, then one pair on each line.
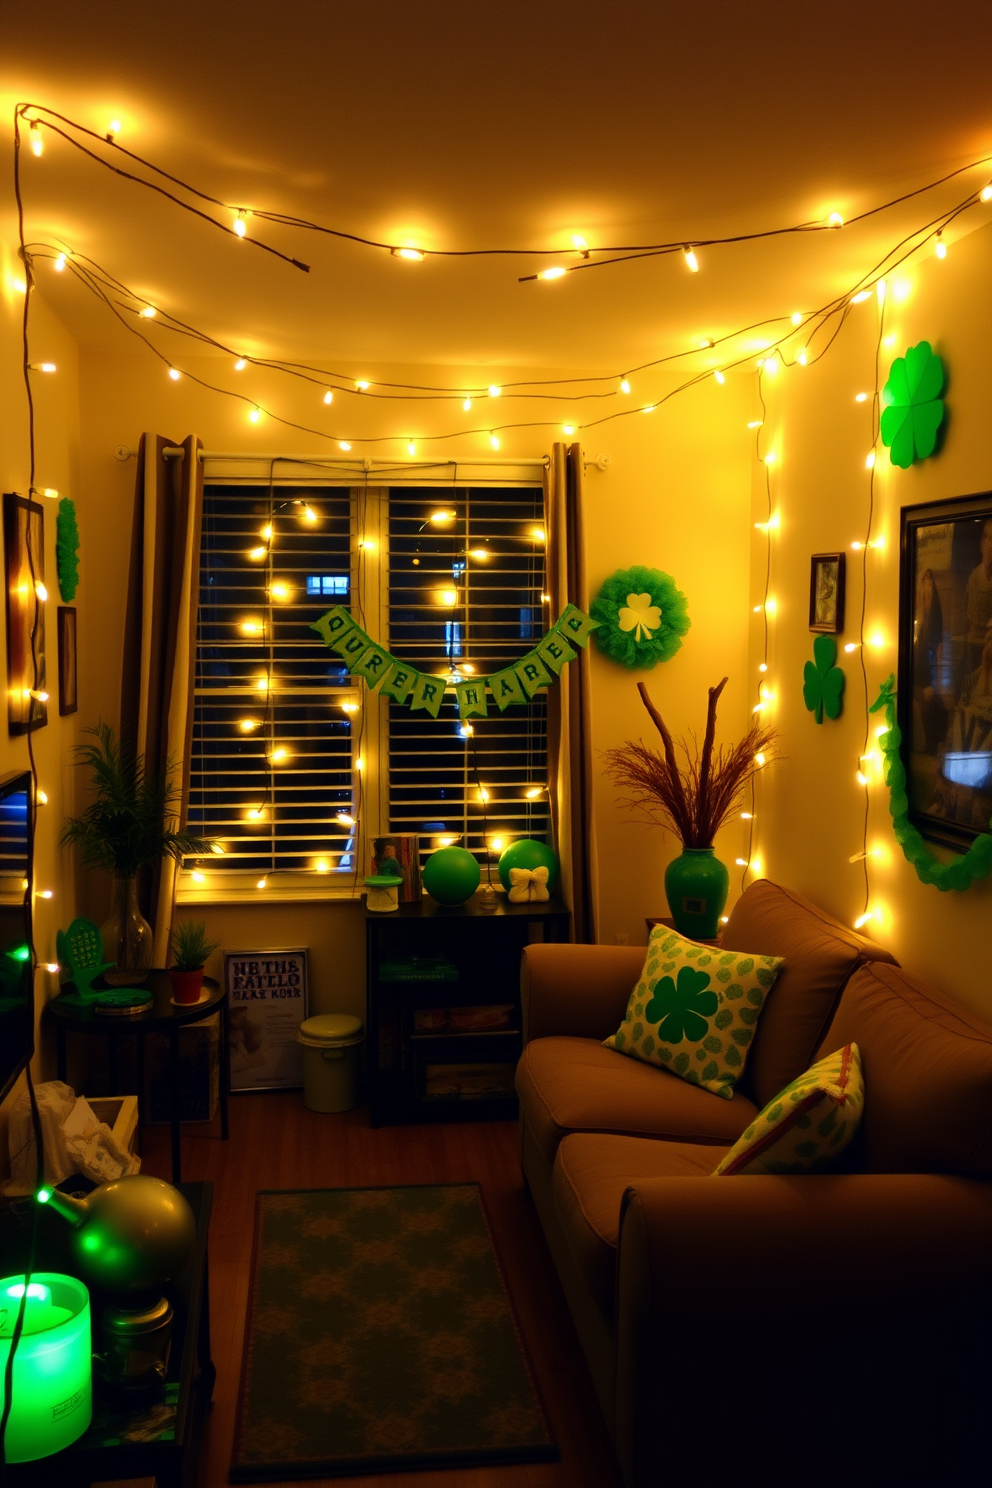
x,y
380,1337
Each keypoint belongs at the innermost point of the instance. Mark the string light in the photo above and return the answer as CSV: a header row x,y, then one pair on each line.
x,y
467,404
533,792
625,385
538,534
861,397
447,597
307,514
113,129
494,390
756,424
175,374
249,725
280,592
411,255
835,220
861,296
719,377
801,356
362,385
870,460
941,247
60,263
255,415
494,441
691,261
557,272
45,894
796,317
41,797
265,533
40,590
52,966
863,919
482,794
345,819
568,428
42,367
37,143
466,730
328,397
321,865
349,707
367,544
215,847
252,627
411,448
985,194
276,756
344,445
262,883
197,876
241,364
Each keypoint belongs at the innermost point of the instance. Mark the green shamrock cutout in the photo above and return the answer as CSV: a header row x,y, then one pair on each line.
x,y
684,1007
912,409
823,683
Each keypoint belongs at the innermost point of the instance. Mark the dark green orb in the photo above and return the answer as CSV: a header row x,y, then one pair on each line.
x,y
451,875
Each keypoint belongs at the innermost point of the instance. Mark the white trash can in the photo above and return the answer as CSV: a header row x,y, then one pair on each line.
x,y
331,1044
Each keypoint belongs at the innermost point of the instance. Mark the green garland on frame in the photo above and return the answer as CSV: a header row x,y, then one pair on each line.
x,y
67,549
976,862
642,617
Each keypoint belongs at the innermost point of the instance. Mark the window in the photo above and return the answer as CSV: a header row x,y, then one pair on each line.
x,y
288,750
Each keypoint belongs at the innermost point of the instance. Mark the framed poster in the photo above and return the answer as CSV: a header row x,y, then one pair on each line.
x,y
945,667
826,593
267,1001
68,697
24,549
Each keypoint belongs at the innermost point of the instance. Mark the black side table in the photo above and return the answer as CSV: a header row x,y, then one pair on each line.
x,y
161,1016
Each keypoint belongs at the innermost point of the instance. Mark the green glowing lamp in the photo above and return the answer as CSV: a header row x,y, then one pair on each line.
x,y
52,1385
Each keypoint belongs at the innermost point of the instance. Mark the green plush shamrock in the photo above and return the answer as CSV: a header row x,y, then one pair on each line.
x,y
823,683
912,409
684,1007
67,549
642,617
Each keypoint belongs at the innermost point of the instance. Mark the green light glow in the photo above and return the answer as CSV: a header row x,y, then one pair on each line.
x,y
43,1195
21,953
52,1393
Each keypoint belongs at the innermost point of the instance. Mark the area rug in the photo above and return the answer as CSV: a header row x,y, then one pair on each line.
x,y
380,1338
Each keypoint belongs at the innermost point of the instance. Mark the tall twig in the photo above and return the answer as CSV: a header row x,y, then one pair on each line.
x,y
666,739
707,756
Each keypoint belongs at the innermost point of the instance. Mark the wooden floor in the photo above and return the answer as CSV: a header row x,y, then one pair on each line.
x,y
276,1143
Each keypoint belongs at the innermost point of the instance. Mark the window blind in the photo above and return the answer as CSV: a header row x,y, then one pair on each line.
x,y
466,597
271,764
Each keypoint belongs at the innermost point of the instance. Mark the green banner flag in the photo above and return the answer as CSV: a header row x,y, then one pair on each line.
x,y
506,689
399,682
427,694
575,625
471,698
373,665
351,644
555,651
533,674
332,625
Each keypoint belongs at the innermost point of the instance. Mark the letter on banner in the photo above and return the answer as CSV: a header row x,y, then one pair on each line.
x,y
399,682
373,666
471,698
533,674
506,689
353,644
333,624
555,651
576,625
428,694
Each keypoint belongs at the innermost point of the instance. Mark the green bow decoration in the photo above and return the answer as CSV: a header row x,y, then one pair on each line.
x,y
975,863
823,683
912,409
517,684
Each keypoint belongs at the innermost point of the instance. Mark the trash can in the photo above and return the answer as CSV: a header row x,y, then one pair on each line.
x,y
330,1061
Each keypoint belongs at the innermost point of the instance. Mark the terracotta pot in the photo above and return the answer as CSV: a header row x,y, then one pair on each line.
x,y
186,985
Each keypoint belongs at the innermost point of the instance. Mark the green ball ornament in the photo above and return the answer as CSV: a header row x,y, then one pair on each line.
x,y
451,875
527,853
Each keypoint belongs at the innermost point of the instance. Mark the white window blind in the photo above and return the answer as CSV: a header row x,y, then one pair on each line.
x,y
271,763
466,597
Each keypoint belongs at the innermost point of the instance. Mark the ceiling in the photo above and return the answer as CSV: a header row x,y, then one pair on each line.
x,y
458,125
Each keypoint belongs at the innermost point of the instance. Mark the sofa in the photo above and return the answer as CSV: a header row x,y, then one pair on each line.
x,y
808,1329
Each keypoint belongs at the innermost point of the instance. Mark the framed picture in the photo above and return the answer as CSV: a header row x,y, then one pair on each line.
x,y
267,1001
24,550
945,666
68,699
826,593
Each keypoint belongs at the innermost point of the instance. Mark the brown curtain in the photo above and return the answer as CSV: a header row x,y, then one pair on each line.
x,y
159,636
570,779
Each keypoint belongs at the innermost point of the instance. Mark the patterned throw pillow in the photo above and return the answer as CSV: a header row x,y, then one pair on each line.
x,y
694,1010
805,1127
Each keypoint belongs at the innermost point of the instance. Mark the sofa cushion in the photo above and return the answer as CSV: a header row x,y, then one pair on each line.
x,y
570,1084
819,956
928,1076
807,1125
591,1174
693,1010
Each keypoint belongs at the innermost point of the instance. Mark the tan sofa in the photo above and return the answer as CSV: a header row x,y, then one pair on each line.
x,y
812,1329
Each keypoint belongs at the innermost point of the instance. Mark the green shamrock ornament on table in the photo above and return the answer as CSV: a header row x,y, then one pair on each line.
x,y
682,1008
823,682
912,408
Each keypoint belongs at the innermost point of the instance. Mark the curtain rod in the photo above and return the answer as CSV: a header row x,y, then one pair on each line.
x,y
175,452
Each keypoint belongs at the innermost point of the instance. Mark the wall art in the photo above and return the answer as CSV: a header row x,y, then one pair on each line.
x,y
24,549
912,408
267,1000
945,667
68,694
823,681
642,617
826,592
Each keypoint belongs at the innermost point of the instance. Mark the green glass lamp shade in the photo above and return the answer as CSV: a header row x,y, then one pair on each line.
x,y
528,853
52,1385
130,1236
451,875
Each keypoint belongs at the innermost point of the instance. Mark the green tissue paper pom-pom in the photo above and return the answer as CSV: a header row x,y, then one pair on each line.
x,y
642,617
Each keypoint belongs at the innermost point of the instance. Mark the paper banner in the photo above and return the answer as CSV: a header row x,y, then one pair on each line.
x,y
516,684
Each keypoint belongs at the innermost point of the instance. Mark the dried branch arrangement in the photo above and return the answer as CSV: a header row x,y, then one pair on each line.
x,y
692,799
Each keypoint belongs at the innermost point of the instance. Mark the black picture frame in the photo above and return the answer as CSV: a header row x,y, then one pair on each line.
x,y
68,652
24,570
944,702
827,582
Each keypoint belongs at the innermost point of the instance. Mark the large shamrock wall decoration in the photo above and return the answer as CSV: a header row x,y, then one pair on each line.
x,y
682,1008
642,617
823,683
912,409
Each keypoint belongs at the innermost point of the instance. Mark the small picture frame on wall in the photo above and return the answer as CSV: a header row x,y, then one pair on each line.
x,y
24,570
826,593
68,697
945,667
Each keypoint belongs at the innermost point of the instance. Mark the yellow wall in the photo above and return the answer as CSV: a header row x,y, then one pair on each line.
x,y
810,808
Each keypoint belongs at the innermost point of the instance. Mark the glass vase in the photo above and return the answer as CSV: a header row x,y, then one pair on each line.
x,y
127,937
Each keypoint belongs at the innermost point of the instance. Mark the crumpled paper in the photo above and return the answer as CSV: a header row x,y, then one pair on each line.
x,y
74,1141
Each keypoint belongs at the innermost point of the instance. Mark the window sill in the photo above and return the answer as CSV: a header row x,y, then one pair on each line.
x,y
276,894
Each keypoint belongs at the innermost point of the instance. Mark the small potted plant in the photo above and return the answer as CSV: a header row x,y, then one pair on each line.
x,y
190,947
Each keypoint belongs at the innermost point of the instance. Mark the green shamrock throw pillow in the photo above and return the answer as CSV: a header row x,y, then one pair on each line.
x,y
694,1010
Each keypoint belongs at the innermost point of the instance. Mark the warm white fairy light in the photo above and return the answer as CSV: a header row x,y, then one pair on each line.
x,y
941,247
255,416
328,397
719,377
41,797
277,756
691,261
557,272
362,385
241,364
262,883
175,373
410,255
870,460
861,296
252,627
60,263
755,424
37,143
349,707
249,725
467,404
411,447
863,919
344,445
494,390
835,219
42,367
494,441
40,590
861,397
625,384
321,865
345,819
796,317
280,592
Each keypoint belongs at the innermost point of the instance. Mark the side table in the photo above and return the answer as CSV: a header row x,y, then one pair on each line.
x,y
669,923
161,1016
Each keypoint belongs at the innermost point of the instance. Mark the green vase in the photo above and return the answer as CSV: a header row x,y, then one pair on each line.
x,y
696,885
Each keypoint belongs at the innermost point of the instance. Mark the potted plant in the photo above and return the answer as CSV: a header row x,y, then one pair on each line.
x,y
693,800
129,825
190,947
